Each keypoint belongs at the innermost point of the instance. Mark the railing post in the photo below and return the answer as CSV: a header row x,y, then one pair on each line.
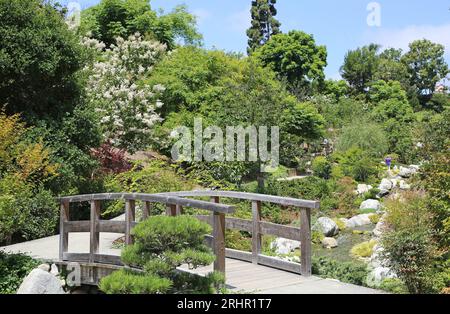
x,y
63,235
219,239
256,232
130,217
179,210
94,234
305,241
146,210
171,210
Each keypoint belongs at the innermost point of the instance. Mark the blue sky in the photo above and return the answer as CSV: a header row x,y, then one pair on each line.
x,y
339,25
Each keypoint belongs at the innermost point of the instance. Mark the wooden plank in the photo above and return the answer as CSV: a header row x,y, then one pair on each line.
x,y
219,240
130,217
288,232
239,255
279,264
110,226
156,198
285,201
179,210
94,232
256,233
63,233
305,240
146,209
97,258
230,223
171,210
77,226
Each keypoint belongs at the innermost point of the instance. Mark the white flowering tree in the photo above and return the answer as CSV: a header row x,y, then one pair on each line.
x,y
126,106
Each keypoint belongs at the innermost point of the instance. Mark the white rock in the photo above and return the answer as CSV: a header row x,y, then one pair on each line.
x,y
54,270
284,246
394,183
40,282
358,221
380,228
329,243
377,275
370,204
385,184
363,188
326,226
407,172
44,267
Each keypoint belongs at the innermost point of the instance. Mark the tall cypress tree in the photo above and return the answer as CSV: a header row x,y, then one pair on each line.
x,y
264,23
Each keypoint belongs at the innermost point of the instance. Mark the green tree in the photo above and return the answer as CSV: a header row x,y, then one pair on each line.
x,y
121,18
264,23
39,58
426,66
295,57
365,135
359,67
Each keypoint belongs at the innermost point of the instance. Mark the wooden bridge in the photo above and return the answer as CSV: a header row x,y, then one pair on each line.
x,y
175,203
244,271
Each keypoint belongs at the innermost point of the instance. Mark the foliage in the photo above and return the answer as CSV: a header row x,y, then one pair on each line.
x,y
155,177
367,136
112,160
161,245
121,18
364,249
393,285
357,164
126,107
426,65
294,57
321,167
27,209
13,269
304,121
264,23
411,246
349,272
359,67
39,58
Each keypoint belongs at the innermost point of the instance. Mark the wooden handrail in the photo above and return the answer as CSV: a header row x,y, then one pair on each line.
x,y
175,201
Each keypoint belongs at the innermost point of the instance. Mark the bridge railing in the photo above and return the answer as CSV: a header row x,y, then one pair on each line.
x,y
258,228
95,225
174,203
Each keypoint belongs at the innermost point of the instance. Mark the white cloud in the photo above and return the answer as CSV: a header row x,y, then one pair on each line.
x,y
202,15
241,21
400,38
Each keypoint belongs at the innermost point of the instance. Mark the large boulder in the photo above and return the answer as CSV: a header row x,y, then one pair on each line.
x,y
284,246
386,185
326,226
40,282
380,228
329,243
407,172
358,221
363,188
371,204
404,185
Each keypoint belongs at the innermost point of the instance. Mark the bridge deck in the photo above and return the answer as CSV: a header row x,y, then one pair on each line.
x,y
241,276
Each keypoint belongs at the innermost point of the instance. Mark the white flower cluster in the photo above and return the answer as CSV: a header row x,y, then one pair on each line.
x,y
116,89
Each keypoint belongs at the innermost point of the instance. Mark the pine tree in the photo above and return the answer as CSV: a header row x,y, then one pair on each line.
x,y
264,23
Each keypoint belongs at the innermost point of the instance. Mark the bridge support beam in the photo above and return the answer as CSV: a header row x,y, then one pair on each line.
x,y
94,233
130,217
256,231
63,234
219,227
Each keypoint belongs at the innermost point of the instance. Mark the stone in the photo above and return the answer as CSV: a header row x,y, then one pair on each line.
x,y
40,282
284,246
370,204
54,270
358,221
329,243
404,185
377,275
385,184
363,188
407,172
383,193
380,228
44,267
394,183
326,226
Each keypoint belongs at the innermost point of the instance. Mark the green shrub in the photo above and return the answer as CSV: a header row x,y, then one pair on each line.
x,y
367,136
393,285
349,272
374,218
13,269
317,237
162,244
321,167
364,249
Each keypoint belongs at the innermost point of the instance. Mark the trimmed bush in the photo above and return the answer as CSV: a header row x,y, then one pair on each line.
x,y
349,272
364,249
